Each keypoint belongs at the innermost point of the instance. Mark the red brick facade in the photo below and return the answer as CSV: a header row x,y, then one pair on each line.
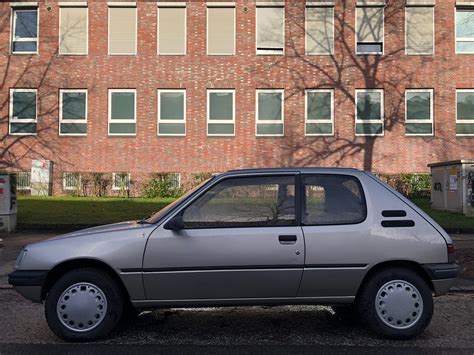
x,y
245,72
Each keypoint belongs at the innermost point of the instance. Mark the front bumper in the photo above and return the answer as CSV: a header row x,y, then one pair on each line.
x,y
442,276
28,283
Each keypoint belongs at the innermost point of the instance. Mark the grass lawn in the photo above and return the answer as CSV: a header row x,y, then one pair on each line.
x,y
445,219
85,210
92,210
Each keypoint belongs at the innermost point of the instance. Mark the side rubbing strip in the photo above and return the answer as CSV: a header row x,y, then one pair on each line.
x,y
394,213
398,223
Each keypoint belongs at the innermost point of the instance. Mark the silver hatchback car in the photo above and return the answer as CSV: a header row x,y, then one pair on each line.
x,y
250,237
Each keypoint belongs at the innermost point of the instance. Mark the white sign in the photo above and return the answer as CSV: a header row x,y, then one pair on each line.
x,y
41,177
453,182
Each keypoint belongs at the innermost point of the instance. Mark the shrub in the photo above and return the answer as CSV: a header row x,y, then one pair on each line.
x,y
410,185
160,185
198,178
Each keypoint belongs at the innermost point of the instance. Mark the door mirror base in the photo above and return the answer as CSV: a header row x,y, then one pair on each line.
x,y
175,224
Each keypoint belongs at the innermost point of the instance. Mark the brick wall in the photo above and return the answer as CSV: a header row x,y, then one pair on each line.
x,y
244,72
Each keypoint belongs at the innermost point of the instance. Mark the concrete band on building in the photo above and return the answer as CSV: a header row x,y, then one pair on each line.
x,y
132,88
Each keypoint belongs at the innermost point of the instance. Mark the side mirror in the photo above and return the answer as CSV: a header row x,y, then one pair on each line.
x,y
175,224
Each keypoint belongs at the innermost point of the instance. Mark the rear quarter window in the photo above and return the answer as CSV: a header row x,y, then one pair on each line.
x,y
332,199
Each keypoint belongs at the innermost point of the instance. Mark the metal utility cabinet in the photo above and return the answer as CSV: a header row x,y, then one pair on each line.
x,y
452,184
8,206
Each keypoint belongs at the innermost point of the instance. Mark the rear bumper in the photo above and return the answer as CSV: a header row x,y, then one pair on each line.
x,y
442,276
28,283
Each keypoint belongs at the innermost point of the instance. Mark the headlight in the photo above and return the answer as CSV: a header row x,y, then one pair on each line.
x,y
20,258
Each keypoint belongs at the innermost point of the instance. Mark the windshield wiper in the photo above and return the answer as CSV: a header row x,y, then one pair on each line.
x,y
145,220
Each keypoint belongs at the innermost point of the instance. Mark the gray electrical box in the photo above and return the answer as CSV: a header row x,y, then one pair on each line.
x,y
452,185
8,206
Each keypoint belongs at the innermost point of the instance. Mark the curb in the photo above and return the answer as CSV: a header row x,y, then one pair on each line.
x,y
54,227
455,230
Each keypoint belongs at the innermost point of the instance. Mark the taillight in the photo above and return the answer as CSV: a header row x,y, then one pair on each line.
x,y
451,254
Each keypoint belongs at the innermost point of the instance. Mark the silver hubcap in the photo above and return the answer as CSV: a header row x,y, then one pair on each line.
x,y
399,304
82,307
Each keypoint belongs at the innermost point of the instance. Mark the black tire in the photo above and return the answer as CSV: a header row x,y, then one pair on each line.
x,y
366,303
109,288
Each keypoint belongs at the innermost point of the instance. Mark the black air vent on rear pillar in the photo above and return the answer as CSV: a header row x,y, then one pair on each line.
x,y
394,213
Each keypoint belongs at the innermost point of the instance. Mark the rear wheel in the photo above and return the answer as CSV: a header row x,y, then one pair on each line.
x,y
83,305
396,303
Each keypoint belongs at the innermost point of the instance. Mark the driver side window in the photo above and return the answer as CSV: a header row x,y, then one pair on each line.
x,y
245,202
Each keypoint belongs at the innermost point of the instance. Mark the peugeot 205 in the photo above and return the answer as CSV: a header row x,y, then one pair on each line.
x,y
250,237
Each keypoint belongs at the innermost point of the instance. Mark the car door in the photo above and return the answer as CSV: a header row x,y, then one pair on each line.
x,y
337,235
240,240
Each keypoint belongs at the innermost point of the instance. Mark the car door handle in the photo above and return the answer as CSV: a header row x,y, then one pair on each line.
x,y
287,239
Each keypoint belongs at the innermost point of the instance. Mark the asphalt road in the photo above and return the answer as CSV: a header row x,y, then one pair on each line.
x,y
302,329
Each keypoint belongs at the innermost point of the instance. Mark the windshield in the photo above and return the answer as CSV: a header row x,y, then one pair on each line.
x,y
158,215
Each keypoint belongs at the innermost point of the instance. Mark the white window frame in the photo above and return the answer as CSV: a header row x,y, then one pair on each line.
x,y
217,5
306,29
209,92
282,121
23,188
71,188
456,109
118,188
462,39
306,121
16,120
63,5
270,4
131,5
177,5
382,113
159,92
178,175
383,32
430,91
110,120
61,92
14,10
406,32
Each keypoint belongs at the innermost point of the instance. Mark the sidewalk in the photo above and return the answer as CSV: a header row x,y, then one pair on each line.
x,y
12,244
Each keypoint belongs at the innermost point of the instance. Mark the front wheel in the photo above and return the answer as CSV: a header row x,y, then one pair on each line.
x,y
83,305
396,303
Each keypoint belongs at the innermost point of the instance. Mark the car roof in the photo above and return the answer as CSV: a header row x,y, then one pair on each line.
x,y
307,170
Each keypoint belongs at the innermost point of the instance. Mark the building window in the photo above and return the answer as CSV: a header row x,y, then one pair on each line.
x,y
171,30
465,112
270,115
25,31
419,112
270,29
220,112
369,112
220,30
419,29
175,179
370,29
23,180
319,30
172,112
122,112
73,31
465,30
319,113
23,115
120,181
122,30
73,112
71,181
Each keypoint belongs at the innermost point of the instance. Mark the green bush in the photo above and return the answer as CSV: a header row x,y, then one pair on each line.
x,y
198,178
410,185
160,185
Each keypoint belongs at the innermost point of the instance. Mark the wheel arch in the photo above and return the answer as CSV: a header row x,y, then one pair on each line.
x,y
404,264
64,267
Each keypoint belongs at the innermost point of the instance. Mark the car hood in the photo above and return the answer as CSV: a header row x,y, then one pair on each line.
x,y
114,227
